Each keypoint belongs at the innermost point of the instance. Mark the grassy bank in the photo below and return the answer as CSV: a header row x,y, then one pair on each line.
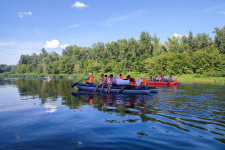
x,y
185,79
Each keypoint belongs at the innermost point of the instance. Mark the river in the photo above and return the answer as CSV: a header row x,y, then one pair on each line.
x,y
36,114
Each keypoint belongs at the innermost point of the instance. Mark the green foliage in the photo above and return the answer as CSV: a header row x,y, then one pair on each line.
x,y
179,55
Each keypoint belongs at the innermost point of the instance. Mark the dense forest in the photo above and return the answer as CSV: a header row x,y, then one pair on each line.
x,y
189,54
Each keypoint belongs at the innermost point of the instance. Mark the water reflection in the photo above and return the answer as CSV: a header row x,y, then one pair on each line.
x,y
194,110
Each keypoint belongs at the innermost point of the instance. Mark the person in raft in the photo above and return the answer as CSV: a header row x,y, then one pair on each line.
x,y
171,79
132,83
90,80
143,80
175,79
156,78
120,77
103,81
150,78
111,81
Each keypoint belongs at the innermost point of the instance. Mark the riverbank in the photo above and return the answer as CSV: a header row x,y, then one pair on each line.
x,y
184,79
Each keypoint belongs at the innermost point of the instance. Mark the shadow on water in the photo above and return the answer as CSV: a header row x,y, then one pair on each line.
x,y
195,110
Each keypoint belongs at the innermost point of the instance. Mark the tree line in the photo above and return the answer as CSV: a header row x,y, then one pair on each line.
x,y
190,54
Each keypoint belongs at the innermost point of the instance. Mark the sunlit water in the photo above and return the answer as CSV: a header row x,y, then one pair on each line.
x,y
36,114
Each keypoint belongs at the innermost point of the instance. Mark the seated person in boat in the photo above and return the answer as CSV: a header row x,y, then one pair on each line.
x,y
171,79
165,79
156,78
150,78
90,80
103,81
175,79
143,80
161,78
119,77
110,81
132,83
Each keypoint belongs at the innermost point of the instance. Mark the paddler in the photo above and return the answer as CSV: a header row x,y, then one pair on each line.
x,y
90,80
132,83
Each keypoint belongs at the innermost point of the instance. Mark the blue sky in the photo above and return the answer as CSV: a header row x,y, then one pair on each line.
x,y
29,25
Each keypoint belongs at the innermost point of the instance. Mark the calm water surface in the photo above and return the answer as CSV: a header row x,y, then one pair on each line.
x,y
36,114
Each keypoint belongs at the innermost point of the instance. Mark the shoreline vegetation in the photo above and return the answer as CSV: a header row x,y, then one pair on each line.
x,y
184,79
198,59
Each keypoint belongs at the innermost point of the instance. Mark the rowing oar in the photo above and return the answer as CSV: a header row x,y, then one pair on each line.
x,y
75,84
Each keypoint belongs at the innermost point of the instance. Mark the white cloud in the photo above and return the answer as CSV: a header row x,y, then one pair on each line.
x,y
109,21
63,46
222,12
73,26
2,43
176,35
51,108
79,5
52,44
21,14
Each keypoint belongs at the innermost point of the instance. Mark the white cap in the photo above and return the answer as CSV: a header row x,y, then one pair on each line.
x,y
142,76
150,75
90,74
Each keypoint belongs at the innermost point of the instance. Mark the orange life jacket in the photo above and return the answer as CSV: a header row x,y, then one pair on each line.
x,y
121,77
175,78
91,79
144,81
171,79
132,83
115,80
105,78
91,101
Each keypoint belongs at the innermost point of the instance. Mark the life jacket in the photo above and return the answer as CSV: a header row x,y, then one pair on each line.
x,y
132,83
121,77
176,79
157,78
151,78
144,81
115,80
171,79
91,79
105,78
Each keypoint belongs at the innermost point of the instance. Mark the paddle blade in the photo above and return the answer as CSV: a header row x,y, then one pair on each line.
x,y
75,84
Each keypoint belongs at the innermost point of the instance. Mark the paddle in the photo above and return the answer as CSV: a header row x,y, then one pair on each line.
x,y
75,84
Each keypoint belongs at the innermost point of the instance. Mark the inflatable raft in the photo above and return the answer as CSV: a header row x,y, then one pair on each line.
x,y
115,89
163,83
